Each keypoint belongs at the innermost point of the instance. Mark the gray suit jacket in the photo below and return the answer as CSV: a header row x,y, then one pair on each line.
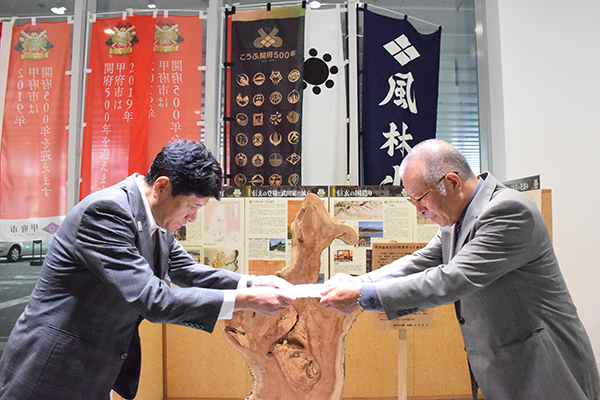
x,y
78,334
522,334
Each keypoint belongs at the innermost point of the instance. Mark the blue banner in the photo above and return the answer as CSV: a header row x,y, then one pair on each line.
x,y
399,94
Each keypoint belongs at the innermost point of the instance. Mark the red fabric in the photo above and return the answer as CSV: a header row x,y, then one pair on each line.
x,y
33,155
117,102
175,104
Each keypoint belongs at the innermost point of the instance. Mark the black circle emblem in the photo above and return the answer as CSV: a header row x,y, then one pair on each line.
x,y
317,71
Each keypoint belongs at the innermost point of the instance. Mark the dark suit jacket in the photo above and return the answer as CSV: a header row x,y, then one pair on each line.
x,y
78,334
522,334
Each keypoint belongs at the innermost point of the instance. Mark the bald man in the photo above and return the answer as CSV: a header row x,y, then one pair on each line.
x,y
494,259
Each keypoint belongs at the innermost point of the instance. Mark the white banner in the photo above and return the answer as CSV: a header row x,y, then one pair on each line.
x,y
324,133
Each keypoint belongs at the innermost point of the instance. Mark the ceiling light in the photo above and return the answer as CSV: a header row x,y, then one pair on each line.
x,y
151,4
314,4
58,10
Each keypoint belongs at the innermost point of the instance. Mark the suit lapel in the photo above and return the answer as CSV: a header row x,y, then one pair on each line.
x,y
479,202
145,242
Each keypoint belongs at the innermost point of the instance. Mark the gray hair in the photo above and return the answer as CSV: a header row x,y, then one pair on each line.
x,y
437,158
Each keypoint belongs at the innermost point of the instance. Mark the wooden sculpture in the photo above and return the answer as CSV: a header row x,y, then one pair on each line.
x,y
298,354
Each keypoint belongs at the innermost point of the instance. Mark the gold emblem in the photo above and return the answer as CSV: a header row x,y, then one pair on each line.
x,y
294,75
242,119
275,180
242,101
241,139
259,78
240,180
294,179
258,160
257,180
123,38
257,119
241,159
293,159
258,139
293,117
166,37
293,97
275,138
268,40
275,98
242,80
275,118
275,159
33,44
293,137
275,77
258,99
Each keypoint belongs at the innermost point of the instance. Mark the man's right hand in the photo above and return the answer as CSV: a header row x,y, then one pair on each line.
x,y
263,300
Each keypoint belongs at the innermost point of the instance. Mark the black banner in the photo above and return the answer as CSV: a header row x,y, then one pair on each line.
x,y
265,56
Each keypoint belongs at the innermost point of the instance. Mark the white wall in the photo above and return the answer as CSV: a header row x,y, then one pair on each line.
x,y
550,82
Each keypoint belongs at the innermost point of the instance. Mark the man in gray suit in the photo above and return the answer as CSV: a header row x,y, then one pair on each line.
x,y
108,268
494,259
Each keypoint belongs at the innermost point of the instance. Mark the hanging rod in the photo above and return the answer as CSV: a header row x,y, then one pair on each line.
x,y
399,13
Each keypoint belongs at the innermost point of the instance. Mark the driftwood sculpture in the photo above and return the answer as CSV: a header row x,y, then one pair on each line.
x,y
298,354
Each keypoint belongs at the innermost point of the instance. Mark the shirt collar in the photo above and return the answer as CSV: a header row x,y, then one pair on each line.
x,y
152,225
479,185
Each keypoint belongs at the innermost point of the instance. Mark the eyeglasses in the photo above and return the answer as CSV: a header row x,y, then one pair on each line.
x,y
414,201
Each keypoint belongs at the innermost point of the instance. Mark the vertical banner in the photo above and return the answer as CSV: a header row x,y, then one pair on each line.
x,y
176,97
324,127
265,55
34,146
117,101
399,94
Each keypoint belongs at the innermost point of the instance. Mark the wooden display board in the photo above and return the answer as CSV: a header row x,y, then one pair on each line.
x,y
182,363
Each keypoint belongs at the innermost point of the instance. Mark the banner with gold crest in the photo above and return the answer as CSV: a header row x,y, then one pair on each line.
x,y
144,89
34,128
117,101
264,107
175,102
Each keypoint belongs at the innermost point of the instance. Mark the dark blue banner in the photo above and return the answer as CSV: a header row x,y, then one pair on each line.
x,y
399,94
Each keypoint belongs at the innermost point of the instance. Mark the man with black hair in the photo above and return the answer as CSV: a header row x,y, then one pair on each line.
x,y
108,268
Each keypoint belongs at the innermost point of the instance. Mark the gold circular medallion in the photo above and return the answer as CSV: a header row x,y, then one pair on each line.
x,y
258,99
241,139
258,139
294,180
275,159
275,98
294,75
239,180
258,160
242,119
259,78
241,159
275,180
293,137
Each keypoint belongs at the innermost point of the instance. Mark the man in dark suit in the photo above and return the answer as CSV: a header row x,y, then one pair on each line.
x,y
108,268
494,259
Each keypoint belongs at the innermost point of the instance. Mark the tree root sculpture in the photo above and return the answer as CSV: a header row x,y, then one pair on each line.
x,y
298,353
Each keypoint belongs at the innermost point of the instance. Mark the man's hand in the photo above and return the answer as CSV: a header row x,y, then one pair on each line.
x,y
270,281
263,300
342,297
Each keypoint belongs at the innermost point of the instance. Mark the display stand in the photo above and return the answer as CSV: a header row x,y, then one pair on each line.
x,y
402,365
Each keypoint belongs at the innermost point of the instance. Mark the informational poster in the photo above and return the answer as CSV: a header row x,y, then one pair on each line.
x,y
216,237
269,215
385,253
378,213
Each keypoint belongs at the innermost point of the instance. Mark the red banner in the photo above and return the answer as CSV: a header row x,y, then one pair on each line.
x,y
175,104
144,90
117,101
33,153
